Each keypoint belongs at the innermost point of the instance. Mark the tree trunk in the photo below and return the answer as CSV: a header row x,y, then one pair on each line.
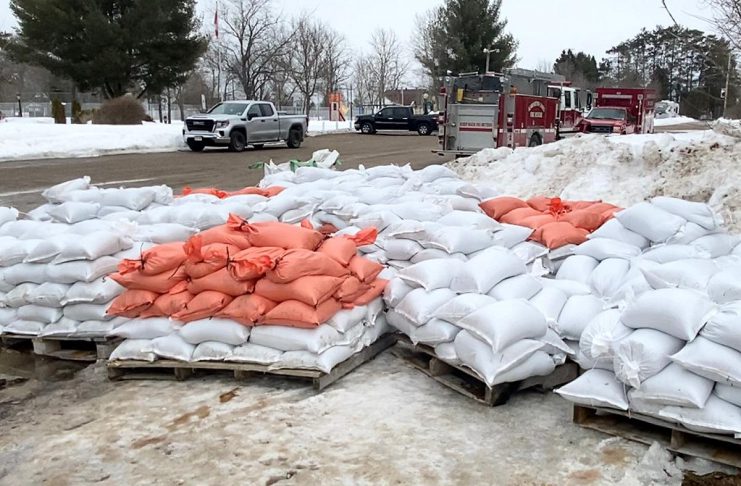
x,y
159,106
169,107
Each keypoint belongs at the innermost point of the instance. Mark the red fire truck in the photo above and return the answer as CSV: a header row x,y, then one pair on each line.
x,y
574,103
497,110
621,111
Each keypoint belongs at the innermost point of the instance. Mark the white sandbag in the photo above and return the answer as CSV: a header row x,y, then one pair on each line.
x,y
322,362
577,268
462,305
511,235
603,248
469,219
395,291
711,360
553,344
729,393
55,194
643,354
99,291
518,287
72,212
678,312
725,286
401,323
348,318
93,246
25,272
419,305
452,239
379,220
87,312
489,365
434,332
135,350
435,254
689,233
614,230
670,253
604,331
46,250
32,230
596,388
676,386
716,417
529,251
418,211
375,310
432,274
48,294
212,351
7,215
7,315
81,271
13,251
24,327
650,221
121,228
146,328
698,213
724,327
691,273
717,244
18,296
578,311
503,323
173,347
550,302
221,330
609,275
411,230
136,198
569,287
401,249
285,338
537,364
446,352
254,353
482,272
63,327
99,328
39,313
433,173
396,264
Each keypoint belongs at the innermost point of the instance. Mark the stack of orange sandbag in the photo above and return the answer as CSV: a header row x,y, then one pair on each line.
x,y
555,222
247,274
249,190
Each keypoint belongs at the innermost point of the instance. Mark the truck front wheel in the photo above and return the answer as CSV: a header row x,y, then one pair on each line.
x,y
196,146
367,128
424,129
237,141
535,140
294,138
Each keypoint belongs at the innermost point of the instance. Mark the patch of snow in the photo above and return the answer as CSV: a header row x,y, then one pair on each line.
x,y
323,127
26,119
29,140
677,120
699,166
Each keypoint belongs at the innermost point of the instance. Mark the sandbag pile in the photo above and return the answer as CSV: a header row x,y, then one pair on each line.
x,y
673,348
233,292
555,223
476,313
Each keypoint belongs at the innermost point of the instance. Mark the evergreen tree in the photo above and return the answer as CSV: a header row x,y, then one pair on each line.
x,y
581,68
118,46
453,37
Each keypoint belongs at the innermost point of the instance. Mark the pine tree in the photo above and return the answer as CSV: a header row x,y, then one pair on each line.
x,y
453,37
117,46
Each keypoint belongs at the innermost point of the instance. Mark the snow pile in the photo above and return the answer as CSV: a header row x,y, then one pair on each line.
x,y
19,141
700,166
676,120
323,127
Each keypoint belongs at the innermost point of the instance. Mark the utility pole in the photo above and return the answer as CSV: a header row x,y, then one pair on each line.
x,y
728,81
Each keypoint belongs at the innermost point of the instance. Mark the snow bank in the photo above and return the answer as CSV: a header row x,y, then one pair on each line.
x,y
700,166
34,119
677,120
20,140
323,127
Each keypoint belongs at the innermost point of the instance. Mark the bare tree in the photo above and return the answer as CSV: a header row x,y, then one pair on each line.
x,y
387,64
365,89
307,53
337,62
727,19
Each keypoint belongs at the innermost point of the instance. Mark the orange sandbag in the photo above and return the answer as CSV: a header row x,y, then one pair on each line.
x,y
539,203
583,218
247,309
556,235
253,263
206,304
272,191
160,283
609,214
311,290
535,222
220,234
132,303
158,259
168,304
339,249
221,281
301,263
516,216
297,314
499,206
364,237
276,234
376,289
210,259
325,229
601,208
187,190
366,270
351,289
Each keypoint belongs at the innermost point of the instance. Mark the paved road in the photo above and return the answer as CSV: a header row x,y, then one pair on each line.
x,y
21,182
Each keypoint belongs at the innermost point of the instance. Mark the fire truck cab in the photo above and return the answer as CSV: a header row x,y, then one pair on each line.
x,y
574,103
491,110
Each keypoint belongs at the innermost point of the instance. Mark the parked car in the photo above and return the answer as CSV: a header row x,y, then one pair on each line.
x,y
237,124
396,118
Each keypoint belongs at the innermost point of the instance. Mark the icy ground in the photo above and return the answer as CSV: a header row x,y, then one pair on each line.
x,y
385,423
29,138
623,170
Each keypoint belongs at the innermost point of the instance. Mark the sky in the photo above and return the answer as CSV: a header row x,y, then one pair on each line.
x,y
542,27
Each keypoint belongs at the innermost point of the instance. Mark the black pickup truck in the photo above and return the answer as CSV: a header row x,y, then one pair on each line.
x,y
396,118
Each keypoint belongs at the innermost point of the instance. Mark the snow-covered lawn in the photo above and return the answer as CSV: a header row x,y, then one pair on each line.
x,y
677,120
322,127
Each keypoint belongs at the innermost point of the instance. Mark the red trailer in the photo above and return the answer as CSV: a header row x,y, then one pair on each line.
x,y
621,111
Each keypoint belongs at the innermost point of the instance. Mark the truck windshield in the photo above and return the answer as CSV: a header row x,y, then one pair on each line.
x,y
607,114
228,109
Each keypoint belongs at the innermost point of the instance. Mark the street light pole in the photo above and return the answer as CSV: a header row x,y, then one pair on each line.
x,y
728,80
488,51
20,109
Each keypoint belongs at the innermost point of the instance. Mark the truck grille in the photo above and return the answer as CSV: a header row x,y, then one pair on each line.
x,y
599,129
200,125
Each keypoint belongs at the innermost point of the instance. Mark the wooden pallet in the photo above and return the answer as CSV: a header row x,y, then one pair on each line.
x,y
723,449
181,370
468,383
72,348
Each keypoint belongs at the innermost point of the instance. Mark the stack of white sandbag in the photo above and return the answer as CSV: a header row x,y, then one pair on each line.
x,y
476,313
278,347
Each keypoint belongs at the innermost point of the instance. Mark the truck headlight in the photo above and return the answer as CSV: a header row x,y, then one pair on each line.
x,y
616,129
222,124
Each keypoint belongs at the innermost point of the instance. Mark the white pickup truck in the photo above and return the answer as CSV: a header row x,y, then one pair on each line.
x,y
237,124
